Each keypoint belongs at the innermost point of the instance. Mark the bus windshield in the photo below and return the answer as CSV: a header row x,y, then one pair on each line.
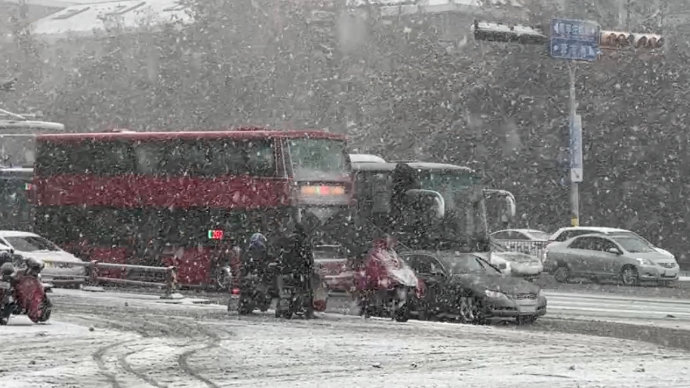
x,y
317,158
454,186
16,212
17,150
465,225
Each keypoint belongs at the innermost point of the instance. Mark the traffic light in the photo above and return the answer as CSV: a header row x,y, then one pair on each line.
x,y
617,39
497,32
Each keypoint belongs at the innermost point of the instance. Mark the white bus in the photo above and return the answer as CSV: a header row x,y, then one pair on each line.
x,y
17,138
17,155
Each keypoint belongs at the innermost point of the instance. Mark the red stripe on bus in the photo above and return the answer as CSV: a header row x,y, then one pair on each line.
x,y
145,191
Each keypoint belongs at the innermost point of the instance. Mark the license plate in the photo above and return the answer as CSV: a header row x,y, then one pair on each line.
x,y
527,309
4,286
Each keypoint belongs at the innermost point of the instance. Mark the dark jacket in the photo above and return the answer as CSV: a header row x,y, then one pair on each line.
x,y
255,261
297,256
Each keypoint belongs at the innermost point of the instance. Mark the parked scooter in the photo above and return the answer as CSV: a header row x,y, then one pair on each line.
x,y
293,296
259,291
385,285
22,292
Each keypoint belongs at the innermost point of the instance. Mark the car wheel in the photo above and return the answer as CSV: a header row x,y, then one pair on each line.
x,y
629,276
466,311
245,306
562,274
221,279
471,310
401,314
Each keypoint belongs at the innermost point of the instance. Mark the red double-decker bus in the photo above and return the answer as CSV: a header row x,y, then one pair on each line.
x,y
185,198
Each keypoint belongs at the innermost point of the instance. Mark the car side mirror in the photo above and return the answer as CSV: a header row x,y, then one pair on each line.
x,y
502,266
615,251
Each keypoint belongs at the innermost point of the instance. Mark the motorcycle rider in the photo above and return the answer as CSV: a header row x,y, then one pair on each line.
x,y
382,269
254,261
297,260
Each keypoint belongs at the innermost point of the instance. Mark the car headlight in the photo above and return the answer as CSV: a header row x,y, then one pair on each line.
x,y
540,293
644,261
494,294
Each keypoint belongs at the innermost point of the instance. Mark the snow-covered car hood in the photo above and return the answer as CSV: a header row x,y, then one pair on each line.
x,y
506,284
46,256
665,252
655,257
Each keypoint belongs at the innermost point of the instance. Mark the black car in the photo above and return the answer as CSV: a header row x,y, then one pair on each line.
x,y
466,287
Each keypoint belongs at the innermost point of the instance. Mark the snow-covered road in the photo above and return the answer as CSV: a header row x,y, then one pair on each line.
x,y
660,312
138,341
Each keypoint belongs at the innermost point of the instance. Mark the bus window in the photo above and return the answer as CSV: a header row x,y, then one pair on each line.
x,y
85,157
208,158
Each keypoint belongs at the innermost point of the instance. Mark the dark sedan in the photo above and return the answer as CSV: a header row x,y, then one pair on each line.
x,y
466,287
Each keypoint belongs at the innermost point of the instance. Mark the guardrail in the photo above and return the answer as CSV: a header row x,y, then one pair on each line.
x,y
531,247
94,267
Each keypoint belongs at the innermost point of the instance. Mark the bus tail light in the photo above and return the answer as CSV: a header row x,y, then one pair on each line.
x,y
322,190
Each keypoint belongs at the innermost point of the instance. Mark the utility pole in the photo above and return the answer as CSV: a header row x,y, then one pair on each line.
x,y
574,41
574,126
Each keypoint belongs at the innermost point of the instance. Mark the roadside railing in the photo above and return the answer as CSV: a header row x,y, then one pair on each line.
x,y
531,247
93,276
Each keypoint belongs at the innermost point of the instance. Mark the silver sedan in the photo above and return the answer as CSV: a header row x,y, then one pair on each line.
x,y
597,256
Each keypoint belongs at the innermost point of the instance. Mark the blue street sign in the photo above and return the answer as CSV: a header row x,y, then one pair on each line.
x,y
573,49
574,39
582,30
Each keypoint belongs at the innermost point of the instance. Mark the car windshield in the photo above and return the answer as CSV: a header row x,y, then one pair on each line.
x,y
461,264
31,244
633,244
634,235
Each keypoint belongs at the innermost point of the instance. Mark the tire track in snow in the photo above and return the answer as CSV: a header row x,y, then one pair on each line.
x,y
122,360
161,323
182,360
105,371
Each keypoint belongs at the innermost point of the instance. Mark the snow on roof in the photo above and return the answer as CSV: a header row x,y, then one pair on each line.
x,y
366,158
55,3
409,7
17,233
476,3
94,17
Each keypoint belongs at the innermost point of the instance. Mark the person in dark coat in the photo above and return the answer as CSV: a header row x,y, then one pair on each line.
x,y
253,261
255,258
297,260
